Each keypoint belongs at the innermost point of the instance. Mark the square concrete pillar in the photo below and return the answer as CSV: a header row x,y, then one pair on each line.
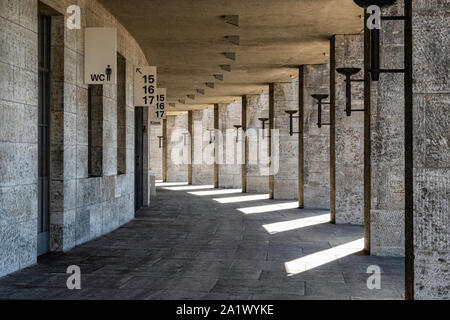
x,y
349,131
257,144
177,148
230,175
155,129
203,147
284,147
316,154
428,227
387,215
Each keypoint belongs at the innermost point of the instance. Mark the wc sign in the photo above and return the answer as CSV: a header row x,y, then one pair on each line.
x,y
100,56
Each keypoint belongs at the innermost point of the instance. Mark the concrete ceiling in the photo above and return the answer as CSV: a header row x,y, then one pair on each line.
x,y
186,40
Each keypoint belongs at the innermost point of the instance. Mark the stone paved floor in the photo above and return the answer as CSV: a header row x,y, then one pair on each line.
x,y
215,244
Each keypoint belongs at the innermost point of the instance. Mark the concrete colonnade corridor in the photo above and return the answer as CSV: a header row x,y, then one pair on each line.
x,y
197,242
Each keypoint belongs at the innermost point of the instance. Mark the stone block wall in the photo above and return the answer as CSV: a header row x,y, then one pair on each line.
x,y
230,170
349,52
257,144
316,141
203,156
285,147
431,134
177,148
18,134
387,212
81,208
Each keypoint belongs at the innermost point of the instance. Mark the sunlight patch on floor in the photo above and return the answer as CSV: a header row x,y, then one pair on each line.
x,y
323,257
270,207
296,224
189,188
243,198
168,184
215,192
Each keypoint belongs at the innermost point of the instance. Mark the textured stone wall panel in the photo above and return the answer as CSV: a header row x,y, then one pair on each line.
x,y
177,169
431,132
349,133
316,140
230,175
202,171
387,208
286,177
257,172
155,150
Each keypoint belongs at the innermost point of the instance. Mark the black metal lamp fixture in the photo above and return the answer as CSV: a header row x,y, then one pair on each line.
x,y
375,69
319,98
237,126
211,136
348,73
263,121
161,138
291,121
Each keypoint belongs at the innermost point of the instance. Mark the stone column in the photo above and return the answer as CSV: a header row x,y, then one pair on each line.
x,y
177,148
203,147
316,80
257,144
387,212
284,147
428,247
230,175
349,52
155,149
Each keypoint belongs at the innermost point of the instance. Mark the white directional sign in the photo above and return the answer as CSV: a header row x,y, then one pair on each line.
x,y
145,84
100,57
157,111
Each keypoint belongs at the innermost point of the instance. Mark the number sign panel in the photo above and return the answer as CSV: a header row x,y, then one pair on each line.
x,y
145,84
158,110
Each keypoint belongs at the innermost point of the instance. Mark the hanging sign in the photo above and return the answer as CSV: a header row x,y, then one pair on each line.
x,y
100,57
157,111
145,84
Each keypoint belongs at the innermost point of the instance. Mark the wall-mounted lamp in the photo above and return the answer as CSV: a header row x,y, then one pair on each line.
x,y
291,121
211,136
263,121
319,98
348,73
375,69
161,138
237,126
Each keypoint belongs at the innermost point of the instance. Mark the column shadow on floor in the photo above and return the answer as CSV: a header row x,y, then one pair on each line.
x,y
197,242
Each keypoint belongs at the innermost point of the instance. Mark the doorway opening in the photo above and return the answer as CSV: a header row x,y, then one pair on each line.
x,y
139,158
